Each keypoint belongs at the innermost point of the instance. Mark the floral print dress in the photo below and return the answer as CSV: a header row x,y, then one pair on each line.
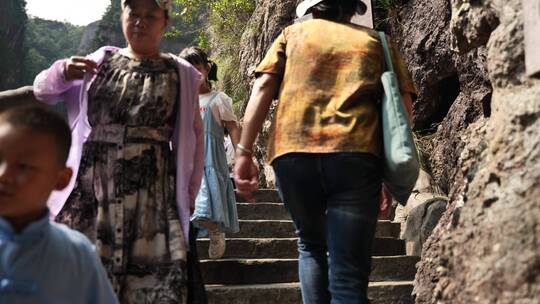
x,y
124,197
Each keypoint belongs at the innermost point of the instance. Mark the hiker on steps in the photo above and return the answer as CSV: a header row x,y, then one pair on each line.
x,y
215,206
326,143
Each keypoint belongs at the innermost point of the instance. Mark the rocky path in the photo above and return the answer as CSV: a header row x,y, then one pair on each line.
x,y
261,262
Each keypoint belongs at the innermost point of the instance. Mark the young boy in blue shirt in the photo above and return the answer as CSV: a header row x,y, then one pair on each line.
x,y
41,261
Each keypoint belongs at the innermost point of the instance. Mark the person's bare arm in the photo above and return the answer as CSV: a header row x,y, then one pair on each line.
x,y
264,90
245,171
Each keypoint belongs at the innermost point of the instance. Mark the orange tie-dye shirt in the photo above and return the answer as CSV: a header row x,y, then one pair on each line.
x,y
330,91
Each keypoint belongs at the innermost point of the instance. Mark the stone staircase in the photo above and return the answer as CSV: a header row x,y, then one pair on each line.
x,y
260,265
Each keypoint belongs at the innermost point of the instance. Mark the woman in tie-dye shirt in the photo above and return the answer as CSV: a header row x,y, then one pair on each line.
x,y
325,143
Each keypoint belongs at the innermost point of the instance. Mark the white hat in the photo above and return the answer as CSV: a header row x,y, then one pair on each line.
x,y
305,5
165,5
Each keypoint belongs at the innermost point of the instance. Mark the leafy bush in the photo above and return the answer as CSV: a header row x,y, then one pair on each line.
x,y
226,21
386,10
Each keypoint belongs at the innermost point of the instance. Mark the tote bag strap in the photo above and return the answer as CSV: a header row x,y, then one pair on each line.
x,y
386,49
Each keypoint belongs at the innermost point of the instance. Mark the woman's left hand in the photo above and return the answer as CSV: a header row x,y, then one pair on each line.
x,y
385,204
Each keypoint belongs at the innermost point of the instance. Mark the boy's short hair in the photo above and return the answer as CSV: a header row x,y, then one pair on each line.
x,y
44,121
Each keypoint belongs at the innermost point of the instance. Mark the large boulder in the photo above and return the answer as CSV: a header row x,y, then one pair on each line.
x,y
421,214
420,223
485,153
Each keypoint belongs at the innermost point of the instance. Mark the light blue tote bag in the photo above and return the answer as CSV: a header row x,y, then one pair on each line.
x,y
401,166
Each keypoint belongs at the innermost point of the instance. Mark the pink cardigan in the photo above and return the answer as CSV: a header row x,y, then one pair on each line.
x,y
50,87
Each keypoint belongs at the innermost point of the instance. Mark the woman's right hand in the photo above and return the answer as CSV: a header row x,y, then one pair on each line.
x,y
246,176
76,66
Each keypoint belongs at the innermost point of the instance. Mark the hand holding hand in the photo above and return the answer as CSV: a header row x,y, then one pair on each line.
x,y
246,177
76,67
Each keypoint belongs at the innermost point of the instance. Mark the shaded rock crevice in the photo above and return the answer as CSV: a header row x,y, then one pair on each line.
x,y
453,89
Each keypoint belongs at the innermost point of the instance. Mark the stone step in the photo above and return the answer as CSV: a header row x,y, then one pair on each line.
x,y
263,195
289,293
262,211
265,229
286,248
285,229
265,271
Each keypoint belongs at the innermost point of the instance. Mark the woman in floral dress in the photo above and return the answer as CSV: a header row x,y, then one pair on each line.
x,y
138,150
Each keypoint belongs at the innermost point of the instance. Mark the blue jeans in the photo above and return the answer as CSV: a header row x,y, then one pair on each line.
x,y
334,201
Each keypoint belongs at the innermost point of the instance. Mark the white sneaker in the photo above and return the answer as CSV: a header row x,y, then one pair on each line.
x,y
217,246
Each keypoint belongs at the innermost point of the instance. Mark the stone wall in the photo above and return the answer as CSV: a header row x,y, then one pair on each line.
x,y
485,151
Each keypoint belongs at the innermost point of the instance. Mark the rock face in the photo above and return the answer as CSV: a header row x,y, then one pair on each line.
x,y
13,21
85,46
453,89
484,153
269,19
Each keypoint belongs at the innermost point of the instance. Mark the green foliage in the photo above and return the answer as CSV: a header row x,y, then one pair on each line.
x,y
226,21
48,41
387,5
202,40
385,11
228,17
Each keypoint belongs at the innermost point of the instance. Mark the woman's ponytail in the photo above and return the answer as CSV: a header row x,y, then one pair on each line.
x,y
212,75
195,55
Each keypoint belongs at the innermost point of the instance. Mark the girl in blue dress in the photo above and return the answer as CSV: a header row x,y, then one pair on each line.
x,y
215,206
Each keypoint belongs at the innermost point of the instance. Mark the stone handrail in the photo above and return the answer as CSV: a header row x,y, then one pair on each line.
x,y
20,96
